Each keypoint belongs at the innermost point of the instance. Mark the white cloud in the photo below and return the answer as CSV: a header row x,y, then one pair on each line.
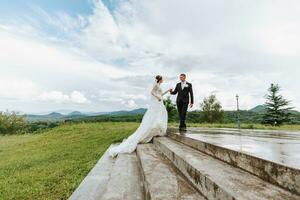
x,y
59,97
78,97
225,46
129,104
55,96
14,89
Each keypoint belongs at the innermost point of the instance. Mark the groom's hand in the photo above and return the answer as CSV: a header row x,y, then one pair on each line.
x,y
191,105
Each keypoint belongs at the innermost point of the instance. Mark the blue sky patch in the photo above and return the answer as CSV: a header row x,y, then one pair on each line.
x,y
20,7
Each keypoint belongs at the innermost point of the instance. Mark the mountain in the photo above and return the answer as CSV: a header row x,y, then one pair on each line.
x,y
258,109
132,112
139,111
64,111
55,116
75,113
95,113
262,109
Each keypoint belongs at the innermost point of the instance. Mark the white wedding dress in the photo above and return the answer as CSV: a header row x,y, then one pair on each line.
x,y
154,123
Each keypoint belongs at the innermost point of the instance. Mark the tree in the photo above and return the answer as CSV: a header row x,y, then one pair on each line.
x,y
212,110
11,123
171,108
278,110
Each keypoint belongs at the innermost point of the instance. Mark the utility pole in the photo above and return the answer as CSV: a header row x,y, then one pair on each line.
x,y
238,112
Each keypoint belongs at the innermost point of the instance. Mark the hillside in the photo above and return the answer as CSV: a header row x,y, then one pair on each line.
x,y
258,109
52,164
132,112
262,109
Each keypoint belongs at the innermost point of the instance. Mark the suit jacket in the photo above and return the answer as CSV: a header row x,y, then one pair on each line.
x,y
184,94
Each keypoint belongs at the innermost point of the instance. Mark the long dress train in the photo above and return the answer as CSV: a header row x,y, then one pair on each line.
x,y
154,123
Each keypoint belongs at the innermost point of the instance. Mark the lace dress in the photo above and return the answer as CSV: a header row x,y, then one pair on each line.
x,y
154,123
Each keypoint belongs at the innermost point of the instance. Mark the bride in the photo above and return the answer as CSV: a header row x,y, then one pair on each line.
x,y
154,122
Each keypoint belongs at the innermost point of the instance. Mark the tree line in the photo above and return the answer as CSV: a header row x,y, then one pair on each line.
x,y
277,111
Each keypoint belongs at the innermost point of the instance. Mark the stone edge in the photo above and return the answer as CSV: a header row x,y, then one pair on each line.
x,y
282,176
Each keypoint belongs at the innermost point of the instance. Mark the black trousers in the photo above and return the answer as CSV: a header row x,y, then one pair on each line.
x,y
182,109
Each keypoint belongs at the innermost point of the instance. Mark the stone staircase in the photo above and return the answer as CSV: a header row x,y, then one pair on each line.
x,y
177,167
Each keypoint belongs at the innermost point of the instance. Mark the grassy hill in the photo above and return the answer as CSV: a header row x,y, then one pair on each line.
x,y
258,109
52,164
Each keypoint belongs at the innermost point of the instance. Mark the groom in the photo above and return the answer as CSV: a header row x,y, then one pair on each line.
x,y
184,90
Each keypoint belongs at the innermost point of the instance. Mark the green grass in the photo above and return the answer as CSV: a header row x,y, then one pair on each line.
x,y
52,164
243,126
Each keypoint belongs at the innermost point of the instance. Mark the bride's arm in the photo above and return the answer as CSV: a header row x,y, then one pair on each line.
x,y
165,92
153,93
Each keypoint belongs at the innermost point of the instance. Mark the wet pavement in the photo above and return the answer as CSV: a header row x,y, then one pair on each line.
x,y
277,146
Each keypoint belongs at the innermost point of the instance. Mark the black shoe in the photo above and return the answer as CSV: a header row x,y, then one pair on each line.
x,y
182,128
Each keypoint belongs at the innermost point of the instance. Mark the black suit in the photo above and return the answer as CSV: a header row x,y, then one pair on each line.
x,y
182,101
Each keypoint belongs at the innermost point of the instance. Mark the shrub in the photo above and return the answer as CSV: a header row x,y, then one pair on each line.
x,y
11,123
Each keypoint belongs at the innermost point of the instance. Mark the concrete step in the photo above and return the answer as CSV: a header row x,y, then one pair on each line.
x,y
217,179
94,184
162,181
125,180
273,172
112,179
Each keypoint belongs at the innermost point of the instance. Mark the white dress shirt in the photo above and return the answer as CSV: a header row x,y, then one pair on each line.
x,y
183,84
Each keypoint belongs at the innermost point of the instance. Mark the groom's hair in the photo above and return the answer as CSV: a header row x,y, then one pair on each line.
x,y
183,75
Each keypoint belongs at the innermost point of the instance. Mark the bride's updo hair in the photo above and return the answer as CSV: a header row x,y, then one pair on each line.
x,y
158,78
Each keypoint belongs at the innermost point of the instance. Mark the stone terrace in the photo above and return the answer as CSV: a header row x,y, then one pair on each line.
x,y
201,164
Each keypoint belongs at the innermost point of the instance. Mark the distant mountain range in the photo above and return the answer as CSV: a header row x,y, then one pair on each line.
x,y
57,116
262,109
61,115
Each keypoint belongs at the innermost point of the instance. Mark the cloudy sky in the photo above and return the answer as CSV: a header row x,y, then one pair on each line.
x,y
93,55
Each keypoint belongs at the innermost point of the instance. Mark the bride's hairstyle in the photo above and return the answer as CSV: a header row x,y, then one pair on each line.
x,y
158,78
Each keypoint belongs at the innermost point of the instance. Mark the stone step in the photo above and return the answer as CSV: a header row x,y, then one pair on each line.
x,y
162,181
94,184
125,180
217,179
112,179
275,173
